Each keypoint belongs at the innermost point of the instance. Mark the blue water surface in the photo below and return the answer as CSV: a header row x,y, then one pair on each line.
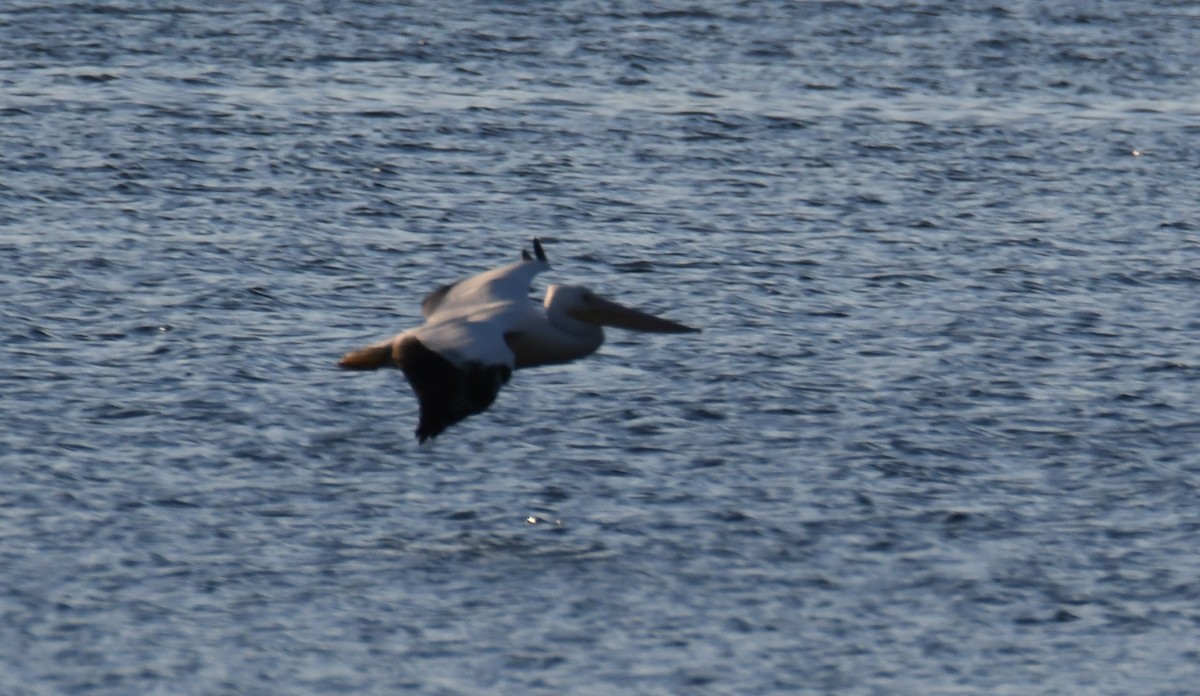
x,y
938,436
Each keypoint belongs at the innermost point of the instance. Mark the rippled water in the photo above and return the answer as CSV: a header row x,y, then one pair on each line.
x,y
939,434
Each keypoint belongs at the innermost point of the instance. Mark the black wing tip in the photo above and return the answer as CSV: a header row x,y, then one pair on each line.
x,y
446,393
424,434
538,253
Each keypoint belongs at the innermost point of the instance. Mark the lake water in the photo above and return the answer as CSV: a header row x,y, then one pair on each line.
x,y
939,434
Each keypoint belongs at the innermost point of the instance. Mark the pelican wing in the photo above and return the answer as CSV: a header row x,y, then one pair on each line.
x,y
431,302
458,361
473,334
506,284
460,358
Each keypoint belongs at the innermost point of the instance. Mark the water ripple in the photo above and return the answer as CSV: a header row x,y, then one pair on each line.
x,y
937,435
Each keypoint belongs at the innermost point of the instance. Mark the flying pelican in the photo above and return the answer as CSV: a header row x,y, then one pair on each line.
x,y
478,330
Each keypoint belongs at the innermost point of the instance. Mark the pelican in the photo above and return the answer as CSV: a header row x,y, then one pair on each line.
x,y
478,330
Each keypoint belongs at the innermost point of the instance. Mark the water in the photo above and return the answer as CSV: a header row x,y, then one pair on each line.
x,y
938,436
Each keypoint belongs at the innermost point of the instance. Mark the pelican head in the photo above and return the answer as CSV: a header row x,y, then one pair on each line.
x,y
581,304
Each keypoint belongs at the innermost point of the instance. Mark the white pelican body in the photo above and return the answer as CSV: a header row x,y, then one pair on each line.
x,y
479,330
